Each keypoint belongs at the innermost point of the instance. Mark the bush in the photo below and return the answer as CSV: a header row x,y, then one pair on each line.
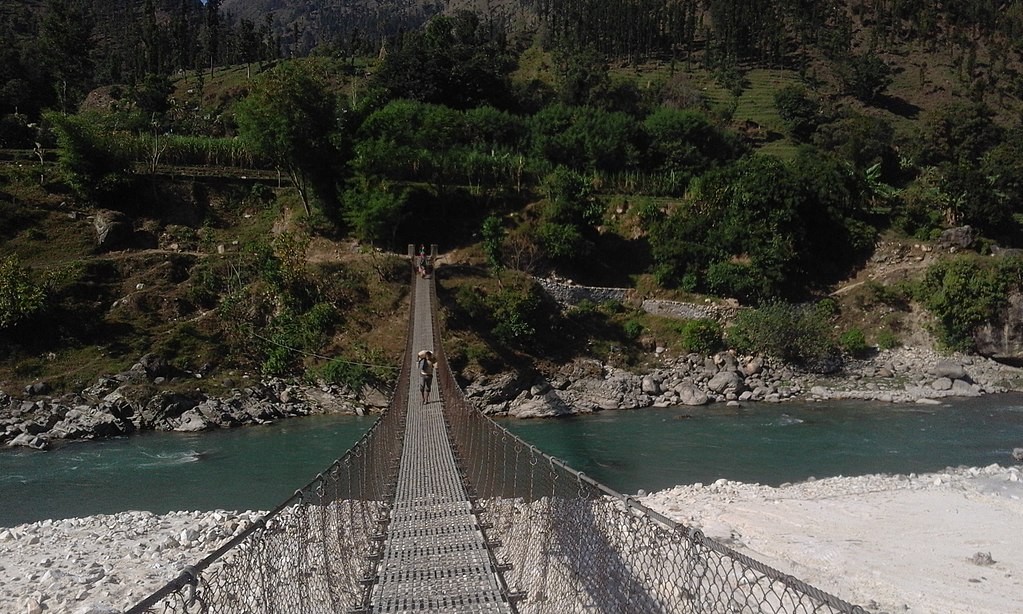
x,y
800,334
342,372
854,343
887,340
701,336
828,306
962,294
513,314
93,164
632,329
21,296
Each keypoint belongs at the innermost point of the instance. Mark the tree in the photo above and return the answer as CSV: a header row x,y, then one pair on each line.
x,y
957,131
290,118
585,138
565,227
65,39
212,31
861,139
493,237
800,114
92,164
454,62
685,141
762,229
865,77
375,212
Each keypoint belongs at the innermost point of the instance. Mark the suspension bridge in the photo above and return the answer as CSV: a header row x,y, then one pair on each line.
x,y
439,509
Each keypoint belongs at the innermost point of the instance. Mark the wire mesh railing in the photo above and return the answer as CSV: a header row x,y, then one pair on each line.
x,y
315,552
570,544
560,541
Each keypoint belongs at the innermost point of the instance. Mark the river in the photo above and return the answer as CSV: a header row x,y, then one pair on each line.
x,y
258,467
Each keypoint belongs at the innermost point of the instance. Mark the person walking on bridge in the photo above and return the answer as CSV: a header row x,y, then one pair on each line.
x,y
427,365
422,262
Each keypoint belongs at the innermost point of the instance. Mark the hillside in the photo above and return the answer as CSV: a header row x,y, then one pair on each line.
x,y
750,178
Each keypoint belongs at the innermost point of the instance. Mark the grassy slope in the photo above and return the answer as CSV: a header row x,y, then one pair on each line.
x,y
55,235
112,307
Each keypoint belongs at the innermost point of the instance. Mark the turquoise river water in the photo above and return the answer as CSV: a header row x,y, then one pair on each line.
x,y
258,467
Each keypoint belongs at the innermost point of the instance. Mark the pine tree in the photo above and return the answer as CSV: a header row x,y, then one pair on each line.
x,y
65,38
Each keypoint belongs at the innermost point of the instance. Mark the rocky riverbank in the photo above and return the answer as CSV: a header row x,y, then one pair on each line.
x,y
904,375
135,401
105,564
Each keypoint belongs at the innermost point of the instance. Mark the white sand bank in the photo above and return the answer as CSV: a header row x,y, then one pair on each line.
x,y
887,543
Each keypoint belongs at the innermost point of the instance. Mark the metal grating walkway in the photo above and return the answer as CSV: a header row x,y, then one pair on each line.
x,y
434,557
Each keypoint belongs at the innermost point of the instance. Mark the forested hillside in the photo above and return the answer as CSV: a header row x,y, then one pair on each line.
x,y
752,152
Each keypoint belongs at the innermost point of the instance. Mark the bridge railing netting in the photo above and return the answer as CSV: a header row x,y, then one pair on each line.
x,y
563,543
314,553
569,544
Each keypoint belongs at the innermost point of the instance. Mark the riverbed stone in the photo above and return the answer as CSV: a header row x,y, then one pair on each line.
x,y
942,383
192,422
690,395
962,388
726,380
949,369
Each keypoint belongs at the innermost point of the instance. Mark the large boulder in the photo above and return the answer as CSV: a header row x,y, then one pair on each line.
x,y
155,365
192,421
957,239
497,389
950,369
726,380
651,386
691,395
1002,337
113,228
163,408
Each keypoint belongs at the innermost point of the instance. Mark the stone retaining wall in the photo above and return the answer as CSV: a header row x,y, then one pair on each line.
x,y
689,311
570,294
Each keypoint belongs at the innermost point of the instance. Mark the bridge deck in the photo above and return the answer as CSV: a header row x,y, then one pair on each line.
x,y
434,557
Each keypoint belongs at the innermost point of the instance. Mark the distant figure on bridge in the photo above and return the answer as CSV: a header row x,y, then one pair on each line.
x,y
422,261
427,365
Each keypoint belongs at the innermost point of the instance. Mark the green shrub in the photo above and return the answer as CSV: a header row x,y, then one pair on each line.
x,y
21,296
342,372
701,336
799,334
887,340
828,306
481,355
612,307
470,300
584,307
512,314
632,329
962,293
885,295
93,163
854,343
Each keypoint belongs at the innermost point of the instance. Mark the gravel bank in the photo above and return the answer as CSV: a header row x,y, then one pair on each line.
x,y
936,543
941,543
